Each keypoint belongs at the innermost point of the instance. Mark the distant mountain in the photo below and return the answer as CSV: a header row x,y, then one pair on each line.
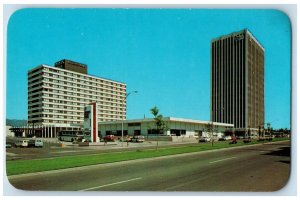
x,y
16,122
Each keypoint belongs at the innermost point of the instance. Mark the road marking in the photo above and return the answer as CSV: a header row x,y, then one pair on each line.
x,y
222,160
101,186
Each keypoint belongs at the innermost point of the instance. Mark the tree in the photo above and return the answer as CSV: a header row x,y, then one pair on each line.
x,y
210,129
161,125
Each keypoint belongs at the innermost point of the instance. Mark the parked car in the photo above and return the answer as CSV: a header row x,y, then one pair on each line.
x,y
247,140
125,139
35,143
21,143
204,139
138,138
221,139
39,143
8,145
233,140
109,138
31,143
228,137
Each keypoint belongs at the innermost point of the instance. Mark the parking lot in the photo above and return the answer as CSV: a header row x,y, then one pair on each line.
x,y
53,148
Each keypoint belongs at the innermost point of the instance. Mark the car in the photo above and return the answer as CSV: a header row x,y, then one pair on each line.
x,y
109,138
21,143
35,143
228,137
204,139
8,145
138,138
39,143
125,139
247,140
233,140
31,143
221,139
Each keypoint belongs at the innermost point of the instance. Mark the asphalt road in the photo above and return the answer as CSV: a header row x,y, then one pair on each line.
x,y
263,167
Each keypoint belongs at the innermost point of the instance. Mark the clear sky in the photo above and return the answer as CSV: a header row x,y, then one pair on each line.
x,y
164,54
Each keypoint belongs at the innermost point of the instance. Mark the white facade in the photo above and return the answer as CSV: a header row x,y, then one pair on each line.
x,y
9,133
176,127
56,98
90,126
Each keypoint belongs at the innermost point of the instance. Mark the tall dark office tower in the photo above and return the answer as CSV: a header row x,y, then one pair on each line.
x,y
237,80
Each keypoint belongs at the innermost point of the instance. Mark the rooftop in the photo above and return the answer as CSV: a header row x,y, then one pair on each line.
x,y
171,119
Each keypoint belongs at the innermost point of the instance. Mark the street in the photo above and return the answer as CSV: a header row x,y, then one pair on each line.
x,y
262,167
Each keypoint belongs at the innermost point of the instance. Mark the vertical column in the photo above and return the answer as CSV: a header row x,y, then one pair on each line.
x,y
230,81
212,92
254,87
224,110
221,81
234,84
48,130
238,83
214,82
242,83
51,131
225,83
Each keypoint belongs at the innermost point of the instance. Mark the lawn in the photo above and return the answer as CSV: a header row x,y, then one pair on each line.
x,y
38,165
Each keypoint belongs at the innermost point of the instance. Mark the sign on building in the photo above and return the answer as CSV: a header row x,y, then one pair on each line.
x,y
90,125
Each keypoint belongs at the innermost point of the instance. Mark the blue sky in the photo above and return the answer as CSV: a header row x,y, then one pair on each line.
x,y
164,54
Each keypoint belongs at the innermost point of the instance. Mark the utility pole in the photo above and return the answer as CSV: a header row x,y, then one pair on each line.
x,y
122,114
212,133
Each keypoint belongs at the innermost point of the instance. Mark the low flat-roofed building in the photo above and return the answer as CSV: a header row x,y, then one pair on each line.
x,y
176,127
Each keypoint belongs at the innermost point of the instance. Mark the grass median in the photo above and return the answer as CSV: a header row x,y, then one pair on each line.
x,y
38,165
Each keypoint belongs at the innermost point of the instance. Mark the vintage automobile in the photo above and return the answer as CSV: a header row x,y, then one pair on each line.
x,y
138,138
21,143
109,138
204,139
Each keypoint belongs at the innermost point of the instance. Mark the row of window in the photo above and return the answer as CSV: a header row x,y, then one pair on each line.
x,y
82,84
80,76
64,74
86,93
68,85
67,121
70,105
73,111
60,121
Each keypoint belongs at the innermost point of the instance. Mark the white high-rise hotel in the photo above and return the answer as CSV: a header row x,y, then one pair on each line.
x,y
57,96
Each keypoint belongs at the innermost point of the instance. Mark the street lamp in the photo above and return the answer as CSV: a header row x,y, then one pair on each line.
x,y
212,123
123,102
